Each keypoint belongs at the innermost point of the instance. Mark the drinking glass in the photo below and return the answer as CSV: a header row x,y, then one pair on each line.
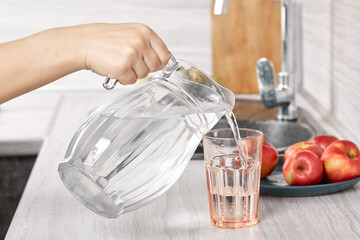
x,y
232,181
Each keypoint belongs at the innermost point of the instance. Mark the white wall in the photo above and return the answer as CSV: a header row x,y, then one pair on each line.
x,y
331,63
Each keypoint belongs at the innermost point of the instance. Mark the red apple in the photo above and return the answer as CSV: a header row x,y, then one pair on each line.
x,y
303,168
269,159
341,161
323,140
300,146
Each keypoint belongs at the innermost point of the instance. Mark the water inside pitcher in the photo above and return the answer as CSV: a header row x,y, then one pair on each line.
x,y
132,150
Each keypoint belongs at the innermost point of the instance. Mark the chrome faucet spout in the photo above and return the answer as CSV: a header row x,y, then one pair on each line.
x,y
284,35
220,7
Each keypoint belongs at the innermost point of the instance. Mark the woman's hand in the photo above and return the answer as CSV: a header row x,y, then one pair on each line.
x,y
125,52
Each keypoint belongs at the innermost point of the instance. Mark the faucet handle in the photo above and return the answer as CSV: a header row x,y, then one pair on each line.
x,y
266,81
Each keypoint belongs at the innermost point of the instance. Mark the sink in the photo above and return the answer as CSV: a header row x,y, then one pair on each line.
x,y
280,134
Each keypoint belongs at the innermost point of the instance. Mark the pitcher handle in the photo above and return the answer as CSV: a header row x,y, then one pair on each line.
x,y
109,83
171,65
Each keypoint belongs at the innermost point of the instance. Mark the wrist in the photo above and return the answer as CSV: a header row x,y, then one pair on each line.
x,y
74,45
74,36
66,46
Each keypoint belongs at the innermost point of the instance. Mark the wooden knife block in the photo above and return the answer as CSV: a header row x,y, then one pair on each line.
x,y
251,29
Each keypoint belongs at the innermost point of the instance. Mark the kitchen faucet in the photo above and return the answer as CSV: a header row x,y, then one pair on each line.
x,y
281,96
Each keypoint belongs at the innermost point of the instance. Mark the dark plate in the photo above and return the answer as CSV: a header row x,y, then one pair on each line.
x,y
275,185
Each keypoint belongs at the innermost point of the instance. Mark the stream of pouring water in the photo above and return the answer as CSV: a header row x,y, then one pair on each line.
x,y
235,129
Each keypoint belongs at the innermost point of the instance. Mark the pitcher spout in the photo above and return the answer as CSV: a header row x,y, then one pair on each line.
x,y
229,97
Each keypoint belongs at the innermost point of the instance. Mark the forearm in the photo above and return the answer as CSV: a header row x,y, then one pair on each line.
x,y
125,52
34,61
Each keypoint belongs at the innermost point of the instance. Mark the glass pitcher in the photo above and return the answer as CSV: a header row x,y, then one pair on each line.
x,y
132,150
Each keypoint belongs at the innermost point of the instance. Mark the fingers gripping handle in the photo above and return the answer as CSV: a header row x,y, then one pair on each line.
x,y
109,83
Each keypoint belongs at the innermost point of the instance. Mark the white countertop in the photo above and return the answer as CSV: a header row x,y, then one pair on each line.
x,y
48,211
24,123
26,120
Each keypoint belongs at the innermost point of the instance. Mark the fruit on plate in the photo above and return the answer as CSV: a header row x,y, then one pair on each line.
x,y
300,146
303,168
341,161
323,140
270,158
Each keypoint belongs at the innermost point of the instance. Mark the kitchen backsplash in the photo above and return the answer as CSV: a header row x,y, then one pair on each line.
x,y
331,63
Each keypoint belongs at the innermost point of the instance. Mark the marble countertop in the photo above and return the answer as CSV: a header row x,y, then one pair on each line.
x,y
48,211
25,122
